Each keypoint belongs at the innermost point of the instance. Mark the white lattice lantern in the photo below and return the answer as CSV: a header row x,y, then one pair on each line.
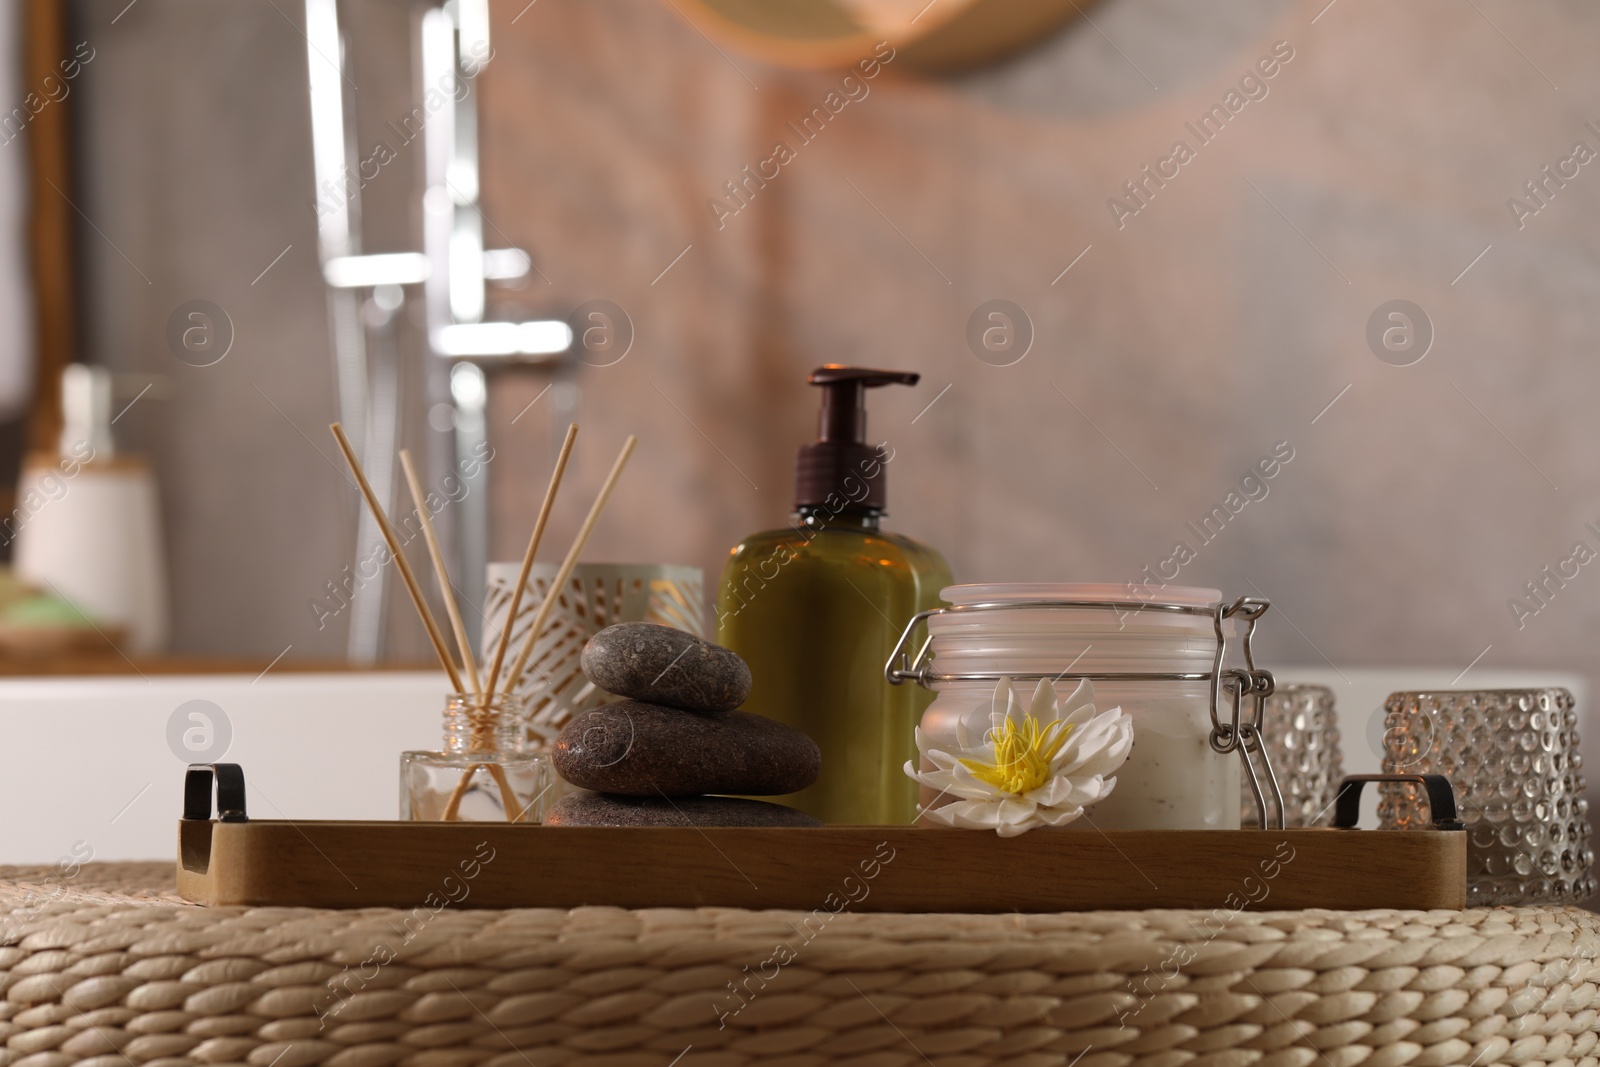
x,y
596,595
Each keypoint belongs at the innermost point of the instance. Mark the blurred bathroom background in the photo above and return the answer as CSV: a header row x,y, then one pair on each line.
x,y
1172,347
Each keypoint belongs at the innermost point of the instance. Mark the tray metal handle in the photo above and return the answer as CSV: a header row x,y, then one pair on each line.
x,y
1441,799
230,792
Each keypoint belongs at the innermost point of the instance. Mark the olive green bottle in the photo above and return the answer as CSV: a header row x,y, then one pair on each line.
x,y
815,609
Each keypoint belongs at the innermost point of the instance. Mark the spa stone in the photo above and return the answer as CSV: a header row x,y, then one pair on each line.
x,y
598,809
663,665
646,750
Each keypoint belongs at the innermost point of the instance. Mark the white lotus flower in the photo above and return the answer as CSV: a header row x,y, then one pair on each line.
x,y
1035,768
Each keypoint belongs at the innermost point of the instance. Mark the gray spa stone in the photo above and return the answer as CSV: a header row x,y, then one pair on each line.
x,y
598,809
645,750
662,665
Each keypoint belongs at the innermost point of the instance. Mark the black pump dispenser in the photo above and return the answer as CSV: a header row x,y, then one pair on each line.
x,y
840,467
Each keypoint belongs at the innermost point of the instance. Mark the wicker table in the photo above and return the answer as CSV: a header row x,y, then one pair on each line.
x,y
109,967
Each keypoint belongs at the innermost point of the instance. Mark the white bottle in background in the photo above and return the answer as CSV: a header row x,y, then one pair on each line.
x,y
88,522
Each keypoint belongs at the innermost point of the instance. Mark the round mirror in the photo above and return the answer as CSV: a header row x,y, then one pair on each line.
x,y
928,35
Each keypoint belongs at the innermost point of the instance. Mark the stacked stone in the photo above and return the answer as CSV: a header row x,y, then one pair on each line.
x,y
662,755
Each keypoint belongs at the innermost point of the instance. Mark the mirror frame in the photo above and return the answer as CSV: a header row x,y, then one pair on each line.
x,y
52,236
955,35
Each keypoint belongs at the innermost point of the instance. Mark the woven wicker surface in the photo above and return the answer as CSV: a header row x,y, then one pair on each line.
x,y
109,968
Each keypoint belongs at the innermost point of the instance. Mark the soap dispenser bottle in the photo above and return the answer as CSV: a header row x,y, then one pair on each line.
x,y
817,607
91,521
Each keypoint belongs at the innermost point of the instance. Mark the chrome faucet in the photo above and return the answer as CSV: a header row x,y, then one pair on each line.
x,y
368,293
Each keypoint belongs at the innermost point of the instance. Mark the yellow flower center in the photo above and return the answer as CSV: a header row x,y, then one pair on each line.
x,y
1022,754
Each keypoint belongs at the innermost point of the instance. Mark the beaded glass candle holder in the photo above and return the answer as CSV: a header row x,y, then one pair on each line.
x,y
1301,733
1512,756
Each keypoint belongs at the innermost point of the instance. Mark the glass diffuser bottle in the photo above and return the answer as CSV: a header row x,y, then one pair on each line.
x,y
483,773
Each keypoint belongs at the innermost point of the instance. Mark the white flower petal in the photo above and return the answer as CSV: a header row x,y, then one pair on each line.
x,y
1043,705
1082,697
972,727
953,778
1103,758
1108,733
1083,716
971,814
1015,809
1087,790
1057,790
1000,705
1061,816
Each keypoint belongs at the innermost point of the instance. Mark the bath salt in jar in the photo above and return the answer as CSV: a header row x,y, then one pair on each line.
x,y
1196,724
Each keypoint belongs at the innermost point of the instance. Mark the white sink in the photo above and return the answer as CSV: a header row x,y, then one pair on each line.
x,y
89,766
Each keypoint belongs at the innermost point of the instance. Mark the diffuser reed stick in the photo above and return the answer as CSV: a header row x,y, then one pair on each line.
x,y
453,806
393,542
479,713
553,594
446,590
508,799
527,560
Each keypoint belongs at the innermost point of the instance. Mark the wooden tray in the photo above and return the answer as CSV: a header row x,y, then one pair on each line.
x,y
874,868
237,860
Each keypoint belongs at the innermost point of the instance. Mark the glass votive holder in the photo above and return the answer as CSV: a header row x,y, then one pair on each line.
x,y
483,772
1512,756
1300,731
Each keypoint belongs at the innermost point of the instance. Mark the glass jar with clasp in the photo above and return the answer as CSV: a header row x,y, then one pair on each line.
x,y
1196,722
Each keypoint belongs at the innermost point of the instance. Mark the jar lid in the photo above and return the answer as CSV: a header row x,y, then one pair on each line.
x,y
1104,592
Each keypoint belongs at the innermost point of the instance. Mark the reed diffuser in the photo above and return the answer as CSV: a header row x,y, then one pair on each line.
x,y
483,772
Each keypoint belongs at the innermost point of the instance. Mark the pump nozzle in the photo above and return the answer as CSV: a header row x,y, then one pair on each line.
x,y
840,467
